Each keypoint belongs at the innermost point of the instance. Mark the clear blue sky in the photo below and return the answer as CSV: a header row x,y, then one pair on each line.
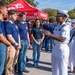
x,y
56,4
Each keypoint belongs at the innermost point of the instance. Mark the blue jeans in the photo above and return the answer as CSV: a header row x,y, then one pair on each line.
x,y
51,45
22,55
36,51
43,43
2,57
47,42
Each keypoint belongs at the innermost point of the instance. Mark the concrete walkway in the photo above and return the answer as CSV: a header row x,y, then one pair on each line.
x,y
44,68
44,65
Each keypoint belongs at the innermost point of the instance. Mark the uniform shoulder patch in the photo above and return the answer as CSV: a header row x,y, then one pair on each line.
x,y
64,24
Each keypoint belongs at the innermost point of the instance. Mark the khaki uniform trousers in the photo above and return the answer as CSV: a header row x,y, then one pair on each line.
x,y
11,61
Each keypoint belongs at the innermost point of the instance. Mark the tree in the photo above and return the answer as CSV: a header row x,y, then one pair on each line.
x,y
33,3
29,1
7,1
72,14
51,12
